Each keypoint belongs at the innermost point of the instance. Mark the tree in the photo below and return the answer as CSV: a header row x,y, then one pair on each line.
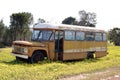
x,y
2,30
114,36
69,20
7,38
20,23
2,34
87,19
41,20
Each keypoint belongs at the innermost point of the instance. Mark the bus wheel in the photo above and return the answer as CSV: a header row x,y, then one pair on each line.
x,y
36,57
90,55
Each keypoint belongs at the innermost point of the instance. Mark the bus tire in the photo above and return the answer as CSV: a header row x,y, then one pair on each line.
x,y
36,57
90,55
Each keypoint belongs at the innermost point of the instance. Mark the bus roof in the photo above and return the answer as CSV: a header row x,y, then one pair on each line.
x,y
65,27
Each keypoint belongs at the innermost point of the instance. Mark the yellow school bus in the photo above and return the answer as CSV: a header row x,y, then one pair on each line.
x,y
61,42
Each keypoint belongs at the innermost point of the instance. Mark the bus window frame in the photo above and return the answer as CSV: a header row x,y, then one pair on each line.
x,y
76,36
101,35
53,33
105,37
37,40
86,32
69,39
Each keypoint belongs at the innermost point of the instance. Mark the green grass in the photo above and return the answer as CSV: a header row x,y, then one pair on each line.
x,y
50,70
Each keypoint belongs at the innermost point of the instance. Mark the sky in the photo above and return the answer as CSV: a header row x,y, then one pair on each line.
x,y
55,11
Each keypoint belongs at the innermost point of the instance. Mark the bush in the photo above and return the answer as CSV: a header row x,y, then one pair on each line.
x,y
2,45
114,36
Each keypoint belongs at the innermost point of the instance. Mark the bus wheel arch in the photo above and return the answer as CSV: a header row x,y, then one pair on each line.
x,y
37,56
91,54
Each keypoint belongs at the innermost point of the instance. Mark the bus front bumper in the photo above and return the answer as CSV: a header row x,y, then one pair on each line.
x,y
21,56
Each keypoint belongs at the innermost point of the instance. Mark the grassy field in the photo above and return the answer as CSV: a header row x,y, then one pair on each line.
x,y
50,70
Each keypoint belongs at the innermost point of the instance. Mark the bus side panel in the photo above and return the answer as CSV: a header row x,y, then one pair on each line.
x,y
69,46
74,50
100,54
101,49
51,52
74,56
89,46
79,49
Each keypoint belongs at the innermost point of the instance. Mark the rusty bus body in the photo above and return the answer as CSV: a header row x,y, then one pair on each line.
x,y
62,42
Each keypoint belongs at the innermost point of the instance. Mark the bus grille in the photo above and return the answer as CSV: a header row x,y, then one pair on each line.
x,y
19,49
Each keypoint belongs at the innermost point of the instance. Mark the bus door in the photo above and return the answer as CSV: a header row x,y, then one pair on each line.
x,y
59,45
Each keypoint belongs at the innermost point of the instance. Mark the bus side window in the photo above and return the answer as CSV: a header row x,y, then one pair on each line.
x,y
80,35
89,36
69,35
98,36
104,37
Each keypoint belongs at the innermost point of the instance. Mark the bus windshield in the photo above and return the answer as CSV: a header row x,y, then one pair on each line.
x,y
41,35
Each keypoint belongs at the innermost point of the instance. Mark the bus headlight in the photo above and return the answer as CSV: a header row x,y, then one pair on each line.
x,y
25,50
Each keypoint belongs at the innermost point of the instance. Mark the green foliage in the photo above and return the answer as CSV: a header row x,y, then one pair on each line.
x,y
49,70
87,19
69,20
114,36
2,33
2,45
20,23
7,37
41,20
2,30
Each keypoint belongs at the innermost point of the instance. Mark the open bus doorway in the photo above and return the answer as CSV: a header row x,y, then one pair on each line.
x,y
59,45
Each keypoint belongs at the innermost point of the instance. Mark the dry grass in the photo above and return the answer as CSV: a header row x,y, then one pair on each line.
x,y
49,70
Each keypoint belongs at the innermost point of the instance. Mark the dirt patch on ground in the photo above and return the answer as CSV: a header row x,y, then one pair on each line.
x,y
108,74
